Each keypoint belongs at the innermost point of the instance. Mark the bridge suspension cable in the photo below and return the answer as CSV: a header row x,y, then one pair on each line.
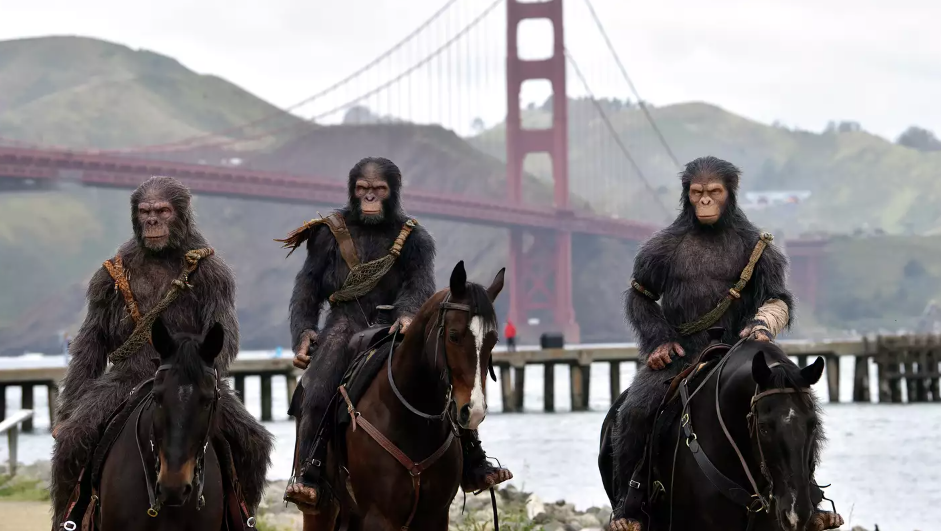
x,y
187,142
375,90
614,133
643,107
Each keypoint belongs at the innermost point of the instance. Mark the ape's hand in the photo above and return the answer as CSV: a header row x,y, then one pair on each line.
x,y
660,357
400,324
301,358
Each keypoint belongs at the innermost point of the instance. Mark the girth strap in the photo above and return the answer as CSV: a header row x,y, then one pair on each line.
x,y
414,469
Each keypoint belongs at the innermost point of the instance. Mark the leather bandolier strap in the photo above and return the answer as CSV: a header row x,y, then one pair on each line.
x,y
115,268
363,277
735,292
144,324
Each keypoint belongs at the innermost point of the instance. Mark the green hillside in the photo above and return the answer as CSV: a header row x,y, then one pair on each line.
x,y
86,93
857,179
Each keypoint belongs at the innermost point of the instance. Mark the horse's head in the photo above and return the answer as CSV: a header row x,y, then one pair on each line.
x,y
468,324
185,392
786,434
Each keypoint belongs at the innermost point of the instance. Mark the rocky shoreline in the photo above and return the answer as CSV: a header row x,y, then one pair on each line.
x,y
518,510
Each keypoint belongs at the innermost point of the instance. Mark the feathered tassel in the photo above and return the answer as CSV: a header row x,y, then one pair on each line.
x,y
299,235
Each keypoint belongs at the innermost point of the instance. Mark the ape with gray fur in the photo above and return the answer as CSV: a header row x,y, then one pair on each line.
x,y
162,220
690,267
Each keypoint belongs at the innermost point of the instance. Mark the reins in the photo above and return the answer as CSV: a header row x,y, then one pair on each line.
x,y
200,471
415,469
754,500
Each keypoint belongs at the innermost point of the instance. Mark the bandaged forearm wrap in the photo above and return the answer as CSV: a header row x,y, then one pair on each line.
x,y
772,316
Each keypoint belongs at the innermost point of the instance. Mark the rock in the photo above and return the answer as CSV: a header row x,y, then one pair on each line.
x,y
541,519
534,506
586,520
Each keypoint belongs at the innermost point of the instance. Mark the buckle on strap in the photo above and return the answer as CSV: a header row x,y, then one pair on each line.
x,y
634,484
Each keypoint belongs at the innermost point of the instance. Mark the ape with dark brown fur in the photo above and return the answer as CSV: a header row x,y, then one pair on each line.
x,y
689,267
362,232
149,263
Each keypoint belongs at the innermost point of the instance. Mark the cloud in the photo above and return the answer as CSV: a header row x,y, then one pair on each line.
x,y
803,62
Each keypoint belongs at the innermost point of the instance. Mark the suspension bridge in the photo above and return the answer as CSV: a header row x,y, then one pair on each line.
x,y
447,104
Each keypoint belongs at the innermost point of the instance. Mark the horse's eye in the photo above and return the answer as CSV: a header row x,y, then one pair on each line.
x,y
763,428
452,336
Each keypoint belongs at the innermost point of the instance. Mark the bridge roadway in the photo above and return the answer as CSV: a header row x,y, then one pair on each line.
x,y
91,168
38,370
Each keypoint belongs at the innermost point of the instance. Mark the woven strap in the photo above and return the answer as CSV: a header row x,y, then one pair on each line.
x,y
364,277
141,333
735,292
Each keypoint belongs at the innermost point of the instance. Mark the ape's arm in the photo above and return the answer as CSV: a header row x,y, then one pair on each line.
x,y
774,301
651,271
91,346
215,287
418,266
308,296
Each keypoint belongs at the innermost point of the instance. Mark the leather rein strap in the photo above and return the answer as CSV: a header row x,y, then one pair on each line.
x,y
753,500
415,469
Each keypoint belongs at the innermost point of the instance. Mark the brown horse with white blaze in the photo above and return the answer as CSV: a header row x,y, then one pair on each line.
x,y
397,463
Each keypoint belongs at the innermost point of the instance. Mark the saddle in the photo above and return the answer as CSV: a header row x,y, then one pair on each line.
x,y
371,347
84,504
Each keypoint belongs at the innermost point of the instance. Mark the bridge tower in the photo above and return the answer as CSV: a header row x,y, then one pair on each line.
x,y
540,265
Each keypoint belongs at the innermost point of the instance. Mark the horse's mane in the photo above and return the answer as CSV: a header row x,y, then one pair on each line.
x,y
478,300
187,361
481,306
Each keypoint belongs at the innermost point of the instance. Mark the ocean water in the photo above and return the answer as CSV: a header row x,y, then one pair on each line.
x,y
883,461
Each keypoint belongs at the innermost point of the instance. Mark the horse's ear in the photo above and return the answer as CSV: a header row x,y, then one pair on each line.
x,y
212,343
163,342
496,285
458,280
813,372
760,371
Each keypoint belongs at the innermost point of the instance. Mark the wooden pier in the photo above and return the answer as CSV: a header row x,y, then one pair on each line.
x,y
907,369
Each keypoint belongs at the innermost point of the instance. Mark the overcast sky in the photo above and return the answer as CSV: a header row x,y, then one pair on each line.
x,y
802,62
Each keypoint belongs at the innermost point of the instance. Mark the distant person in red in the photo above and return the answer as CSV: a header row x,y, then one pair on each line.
x,y
510,333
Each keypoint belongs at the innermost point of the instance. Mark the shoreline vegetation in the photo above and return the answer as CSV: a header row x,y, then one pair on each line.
x,y
28,492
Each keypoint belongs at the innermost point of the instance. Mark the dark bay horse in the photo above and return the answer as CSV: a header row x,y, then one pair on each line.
x,y
736,449
161,472
398,464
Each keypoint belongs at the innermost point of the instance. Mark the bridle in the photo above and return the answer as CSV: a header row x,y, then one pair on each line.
x,y
199,474
754,500
415,469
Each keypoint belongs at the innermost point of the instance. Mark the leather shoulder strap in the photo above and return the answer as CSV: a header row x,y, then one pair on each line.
x,y
344,240
115,268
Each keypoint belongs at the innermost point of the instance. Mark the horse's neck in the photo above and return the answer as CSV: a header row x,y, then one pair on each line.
x,y
419,374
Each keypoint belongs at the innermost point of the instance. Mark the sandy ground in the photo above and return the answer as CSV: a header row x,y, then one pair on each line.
x,y
24,516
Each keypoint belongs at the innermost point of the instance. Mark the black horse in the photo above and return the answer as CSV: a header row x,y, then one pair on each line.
x,y
736,447
162,473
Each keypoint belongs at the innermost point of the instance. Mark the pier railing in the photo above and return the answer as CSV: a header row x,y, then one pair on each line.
x,y
902,363
11,427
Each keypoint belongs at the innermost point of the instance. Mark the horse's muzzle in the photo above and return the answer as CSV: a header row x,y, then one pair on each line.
x,y
173,488
471,415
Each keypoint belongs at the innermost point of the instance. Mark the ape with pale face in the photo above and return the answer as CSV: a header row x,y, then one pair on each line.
x,y
681,276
